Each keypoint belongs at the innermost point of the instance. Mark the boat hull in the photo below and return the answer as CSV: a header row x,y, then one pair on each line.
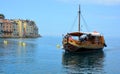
x,y
72,48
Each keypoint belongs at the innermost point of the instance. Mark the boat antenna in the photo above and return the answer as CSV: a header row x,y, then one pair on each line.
x,y
79,12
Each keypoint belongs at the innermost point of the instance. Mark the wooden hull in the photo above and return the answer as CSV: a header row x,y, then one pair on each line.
x,y
72,48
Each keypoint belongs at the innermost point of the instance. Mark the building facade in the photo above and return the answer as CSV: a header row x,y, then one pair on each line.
x,y
7,28
26,28
1,23
17,28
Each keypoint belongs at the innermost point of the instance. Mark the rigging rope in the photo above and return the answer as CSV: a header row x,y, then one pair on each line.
x,y
85,23
73,24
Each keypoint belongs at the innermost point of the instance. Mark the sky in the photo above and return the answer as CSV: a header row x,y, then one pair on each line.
x,y
57,17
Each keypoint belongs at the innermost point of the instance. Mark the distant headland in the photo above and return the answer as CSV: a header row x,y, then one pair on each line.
x,y
17,28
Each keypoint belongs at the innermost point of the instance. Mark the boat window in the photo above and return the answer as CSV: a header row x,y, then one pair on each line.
x,y
83,37
75,37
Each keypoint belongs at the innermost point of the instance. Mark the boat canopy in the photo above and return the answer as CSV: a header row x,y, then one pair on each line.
x,y
76,33
84,33
95,34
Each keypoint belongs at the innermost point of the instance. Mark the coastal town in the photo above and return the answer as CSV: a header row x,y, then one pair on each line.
x,y
17,28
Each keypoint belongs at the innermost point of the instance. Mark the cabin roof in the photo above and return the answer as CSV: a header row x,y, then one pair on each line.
x,y
84,33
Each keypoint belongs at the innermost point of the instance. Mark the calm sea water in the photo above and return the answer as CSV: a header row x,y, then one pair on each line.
x,y
41,56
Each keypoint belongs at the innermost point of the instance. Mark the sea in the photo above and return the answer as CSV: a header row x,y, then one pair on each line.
x,y
45,55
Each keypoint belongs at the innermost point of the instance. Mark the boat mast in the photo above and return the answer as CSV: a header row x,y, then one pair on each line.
x,y
79,22
79,19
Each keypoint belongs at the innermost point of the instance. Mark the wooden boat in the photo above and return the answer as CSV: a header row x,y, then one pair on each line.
x,y
83,41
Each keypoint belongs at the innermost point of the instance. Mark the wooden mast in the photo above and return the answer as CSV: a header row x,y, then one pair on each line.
x,y
79,22
79,19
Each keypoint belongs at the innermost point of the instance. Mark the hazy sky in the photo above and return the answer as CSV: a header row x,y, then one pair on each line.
x,y
56,17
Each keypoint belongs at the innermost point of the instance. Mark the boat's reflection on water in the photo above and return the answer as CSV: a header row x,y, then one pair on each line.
x,y
89,62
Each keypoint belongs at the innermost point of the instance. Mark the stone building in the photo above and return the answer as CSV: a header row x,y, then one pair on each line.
x,y
17,28
1,24
6,27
